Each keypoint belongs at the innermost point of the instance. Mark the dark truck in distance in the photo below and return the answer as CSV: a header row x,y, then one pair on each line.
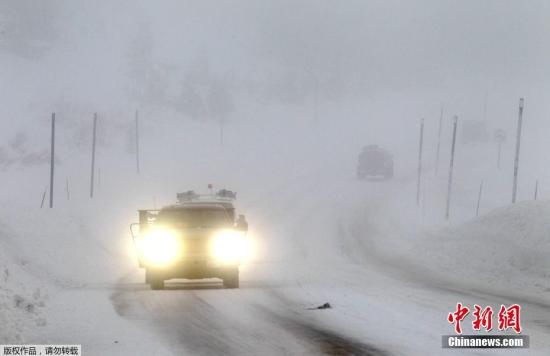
x,y
199,237
374,162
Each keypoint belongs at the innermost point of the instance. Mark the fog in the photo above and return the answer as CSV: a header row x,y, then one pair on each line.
x,y
357,71
449,51
274,99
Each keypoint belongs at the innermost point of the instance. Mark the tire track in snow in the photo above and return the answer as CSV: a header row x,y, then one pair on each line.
x,y
328,342
192,319
200,322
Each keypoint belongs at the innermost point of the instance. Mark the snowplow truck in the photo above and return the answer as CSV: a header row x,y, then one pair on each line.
x,y
198,237
374,162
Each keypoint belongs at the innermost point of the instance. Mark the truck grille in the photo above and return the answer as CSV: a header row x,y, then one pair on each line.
x,y
195,247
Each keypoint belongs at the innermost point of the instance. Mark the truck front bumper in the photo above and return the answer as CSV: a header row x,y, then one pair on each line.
x,y
193,269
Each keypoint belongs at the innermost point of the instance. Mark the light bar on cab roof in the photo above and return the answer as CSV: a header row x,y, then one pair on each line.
x,y
222,194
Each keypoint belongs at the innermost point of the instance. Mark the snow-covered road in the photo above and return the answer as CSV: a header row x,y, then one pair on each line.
x,y
387,267
383,303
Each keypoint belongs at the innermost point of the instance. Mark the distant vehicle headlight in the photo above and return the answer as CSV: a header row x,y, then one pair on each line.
x,y
160,247
228,246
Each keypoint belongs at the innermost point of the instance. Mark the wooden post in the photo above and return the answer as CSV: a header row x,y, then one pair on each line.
x,y
518,144
52,160
93,157
438,142
536,189
479,198
451,167
419,178
137,142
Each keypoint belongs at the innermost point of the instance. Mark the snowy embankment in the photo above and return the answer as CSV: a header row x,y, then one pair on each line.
x,y
57,268
22,297
39,258
503,252
506,249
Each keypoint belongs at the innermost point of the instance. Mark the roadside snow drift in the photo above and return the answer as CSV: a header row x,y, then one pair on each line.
x,y
508,248
22,299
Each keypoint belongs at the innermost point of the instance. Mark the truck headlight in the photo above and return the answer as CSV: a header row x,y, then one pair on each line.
x,y
160,247
228,246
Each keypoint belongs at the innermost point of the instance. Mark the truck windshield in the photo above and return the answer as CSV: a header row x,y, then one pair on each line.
x,y
372,157
195,218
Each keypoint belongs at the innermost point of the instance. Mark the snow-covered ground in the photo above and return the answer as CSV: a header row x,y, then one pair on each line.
x,y
22,299
301,86
506,250
391,271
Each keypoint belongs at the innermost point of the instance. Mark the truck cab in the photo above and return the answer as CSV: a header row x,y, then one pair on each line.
x,y
373,162
196,238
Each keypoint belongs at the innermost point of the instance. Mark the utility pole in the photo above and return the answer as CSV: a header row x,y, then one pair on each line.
x,y
438,142
479,198
536,189
451,167
93,157
137,142
67,189
52,160
418,183
518,144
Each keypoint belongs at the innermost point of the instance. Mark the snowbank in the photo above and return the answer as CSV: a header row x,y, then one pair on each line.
x,y
44,252
22,299
506,249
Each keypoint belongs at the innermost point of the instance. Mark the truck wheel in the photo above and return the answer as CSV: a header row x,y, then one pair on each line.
x,y
231,278
154,280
